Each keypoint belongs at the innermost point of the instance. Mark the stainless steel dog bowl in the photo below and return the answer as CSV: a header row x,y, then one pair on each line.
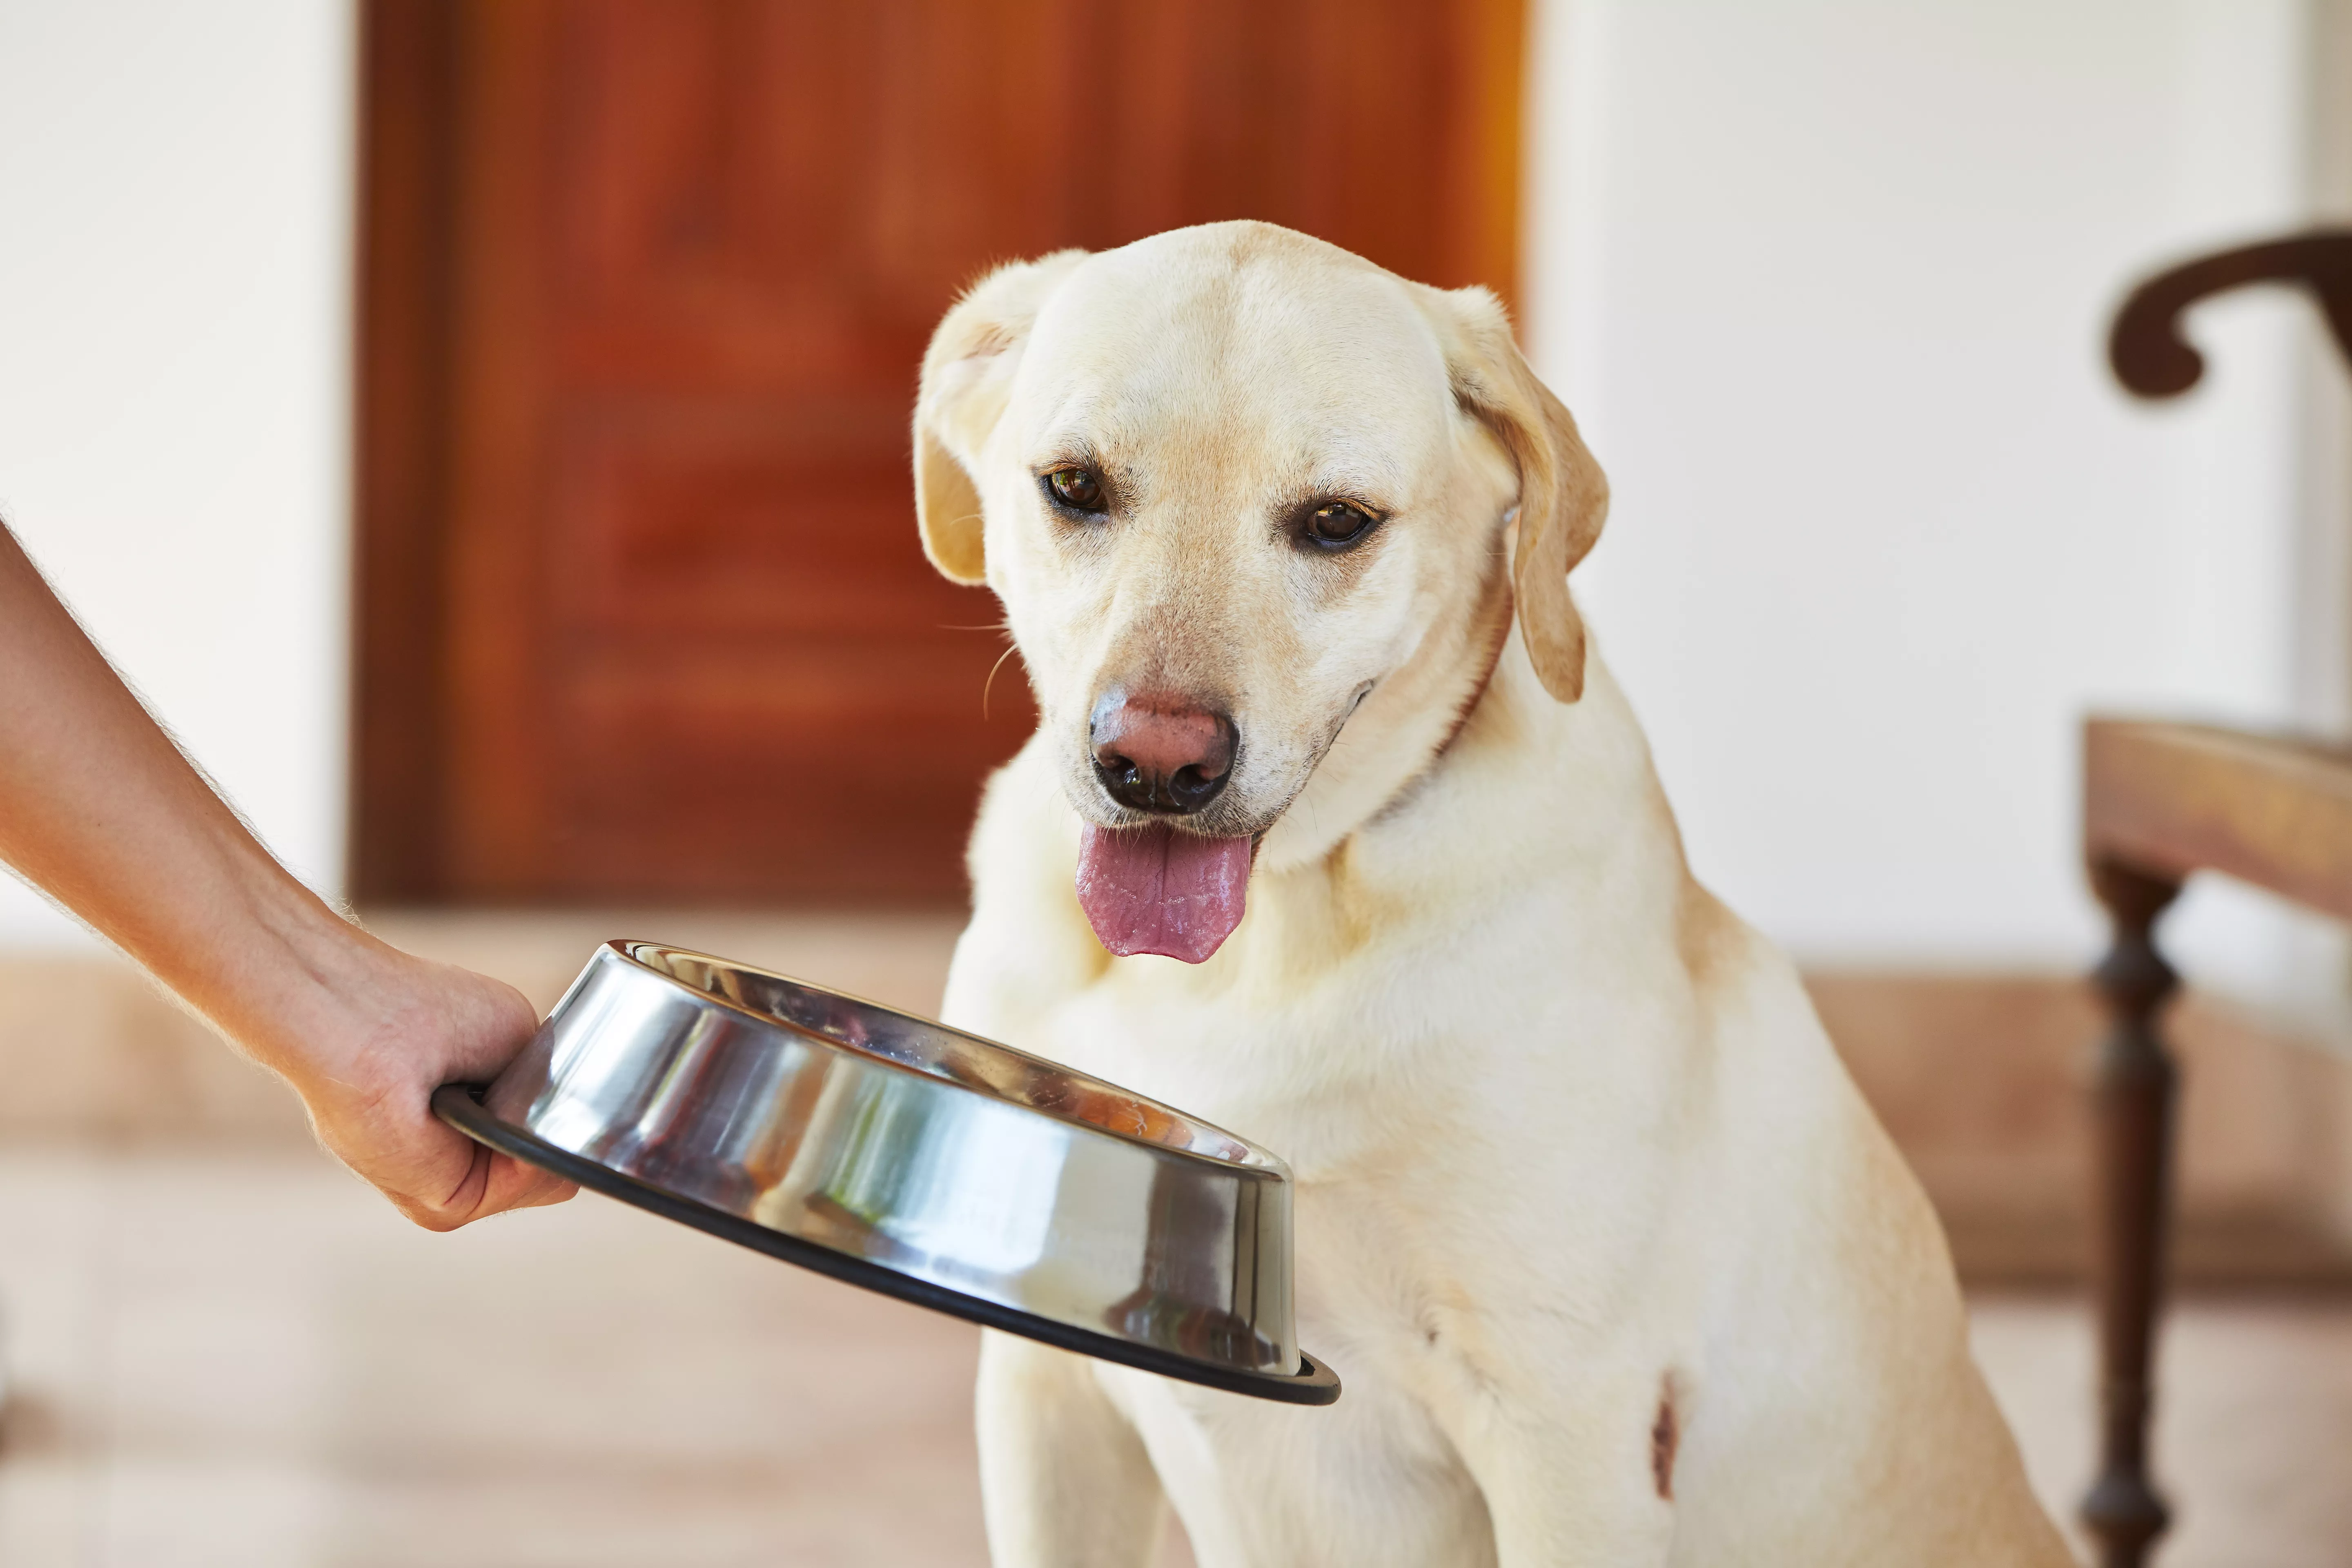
x,y
912,1159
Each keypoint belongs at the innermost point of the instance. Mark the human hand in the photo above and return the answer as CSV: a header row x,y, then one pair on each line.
x,y
384,1032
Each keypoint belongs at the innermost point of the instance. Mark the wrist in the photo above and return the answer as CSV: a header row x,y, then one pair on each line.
x,y
280,974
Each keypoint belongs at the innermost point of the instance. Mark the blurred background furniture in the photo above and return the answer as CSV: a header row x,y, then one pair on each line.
x,y
2161,801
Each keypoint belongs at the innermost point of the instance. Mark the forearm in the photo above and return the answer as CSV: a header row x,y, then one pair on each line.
x,y
100,810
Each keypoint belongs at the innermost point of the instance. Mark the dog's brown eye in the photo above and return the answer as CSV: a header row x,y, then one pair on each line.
x,y
1076,489
1337,523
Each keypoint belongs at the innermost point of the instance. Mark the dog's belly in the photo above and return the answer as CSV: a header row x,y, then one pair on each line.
x,y
1368,1482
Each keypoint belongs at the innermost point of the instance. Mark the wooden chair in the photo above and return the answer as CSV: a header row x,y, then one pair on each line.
x,y
2159,801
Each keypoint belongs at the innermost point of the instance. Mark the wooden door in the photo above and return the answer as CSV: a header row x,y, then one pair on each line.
x,y
644,286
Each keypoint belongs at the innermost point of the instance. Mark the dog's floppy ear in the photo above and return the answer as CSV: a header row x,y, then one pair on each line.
x,y
967,376
1563,495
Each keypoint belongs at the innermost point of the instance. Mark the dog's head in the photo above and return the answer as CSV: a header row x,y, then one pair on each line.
x,y
1238,488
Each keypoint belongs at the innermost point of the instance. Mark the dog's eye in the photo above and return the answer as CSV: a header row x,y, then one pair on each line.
x,y
1077,489
1337,522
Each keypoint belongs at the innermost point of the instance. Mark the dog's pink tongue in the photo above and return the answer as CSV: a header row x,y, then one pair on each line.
x,y
1154,890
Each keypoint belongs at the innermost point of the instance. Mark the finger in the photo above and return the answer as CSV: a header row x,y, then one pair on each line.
x,y
517,1185
493,1183
439,1178
457,1204
547,1195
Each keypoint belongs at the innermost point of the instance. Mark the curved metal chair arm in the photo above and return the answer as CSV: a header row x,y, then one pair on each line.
x,y
2146,347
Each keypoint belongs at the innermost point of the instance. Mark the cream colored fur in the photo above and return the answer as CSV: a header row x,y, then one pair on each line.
x,y
1570,1145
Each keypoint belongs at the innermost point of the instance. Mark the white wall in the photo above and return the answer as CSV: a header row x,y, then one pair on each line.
x,y
175,202
1827,282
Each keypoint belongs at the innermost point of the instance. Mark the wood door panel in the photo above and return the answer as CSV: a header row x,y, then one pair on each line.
x,y
836,804
646,284
791,237
707,520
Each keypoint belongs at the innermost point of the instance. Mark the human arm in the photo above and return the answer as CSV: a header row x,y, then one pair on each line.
x,y
99,809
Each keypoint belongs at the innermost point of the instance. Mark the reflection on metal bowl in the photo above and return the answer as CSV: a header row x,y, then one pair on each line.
x,y
914,1159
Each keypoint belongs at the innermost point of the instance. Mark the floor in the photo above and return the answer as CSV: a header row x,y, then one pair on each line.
x,y
218,1358
228,1352
253,1362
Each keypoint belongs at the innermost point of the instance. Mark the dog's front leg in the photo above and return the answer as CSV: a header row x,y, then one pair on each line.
x,y
1589,1483
1063,1478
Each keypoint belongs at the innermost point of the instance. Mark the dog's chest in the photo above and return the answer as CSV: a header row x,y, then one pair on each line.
x,y
1329,1083
1335,1077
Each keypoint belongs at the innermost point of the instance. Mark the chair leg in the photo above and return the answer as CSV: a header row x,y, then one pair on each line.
x,y
2134,1094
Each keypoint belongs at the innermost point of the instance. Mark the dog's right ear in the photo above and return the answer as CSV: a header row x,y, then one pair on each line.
x,y
967,377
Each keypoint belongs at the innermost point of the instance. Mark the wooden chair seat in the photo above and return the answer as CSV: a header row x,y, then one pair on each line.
x,y
2172,798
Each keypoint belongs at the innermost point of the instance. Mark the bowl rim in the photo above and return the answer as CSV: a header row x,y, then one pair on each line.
x,y
1258,1160
460,1106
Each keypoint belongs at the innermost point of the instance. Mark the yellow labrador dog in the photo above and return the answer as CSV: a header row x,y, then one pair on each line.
x,y
1618,1266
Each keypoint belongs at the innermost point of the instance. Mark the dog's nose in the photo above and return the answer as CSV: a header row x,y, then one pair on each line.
x,y
1161,755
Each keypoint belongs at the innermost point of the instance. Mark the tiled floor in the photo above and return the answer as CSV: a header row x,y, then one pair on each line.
x,y
253,1362
250,1361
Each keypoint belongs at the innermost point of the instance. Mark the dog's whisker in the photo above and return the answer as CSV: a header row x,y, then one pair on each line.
x,y
989,684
